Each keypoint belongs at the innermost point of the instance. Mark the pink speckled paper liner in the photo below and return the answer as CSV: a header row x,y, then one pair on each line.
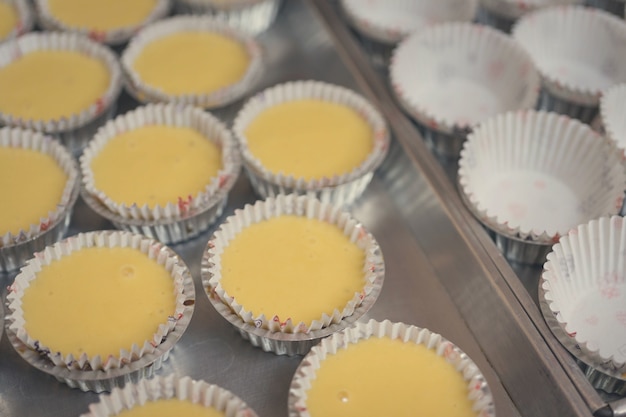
x,y
477,388
26,19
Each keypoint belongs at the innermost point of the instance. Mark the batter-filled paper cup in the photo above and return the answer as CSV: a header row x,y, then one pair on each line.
x,y
170,387
183,292
116,36
478,391
74,131
16,249
467,73
503,14
268,324
251,16
579,52
584,286
148,93
341,189
25,18
531,176
189,215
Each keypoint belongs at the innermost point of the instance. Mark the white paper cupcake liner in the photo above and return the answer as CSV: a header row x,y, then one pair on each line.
x,y
578,51
468,73
373,268
532,176
25,19
250,16
390,21
49,21
169,387
183,218
16,249
477,388
613,114
183,289
339,189
76,130
147,93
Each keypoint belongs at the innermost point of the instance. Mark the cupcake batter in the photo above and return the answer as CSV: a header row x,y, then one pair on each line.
x,y
101,15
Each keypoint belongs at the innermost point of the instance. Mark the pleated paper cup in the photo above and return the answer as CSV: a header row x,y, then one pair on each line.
x,y
25,18
277,334
579,52
49,21
503,14
127,355
171,387
74,131
584,286
531,176
341,189
467,73
250,16
16,249
478,391
613,114
145,92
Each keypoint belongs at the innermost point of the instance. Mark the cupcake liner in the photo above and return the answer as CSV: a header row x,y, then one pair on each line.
x,y
169,387
477,388
579,52
76,130
186,217
615,7
613,114
457,61
250,16
531,176
25,16
290,205
391,21
339,189
147,93
183,289
49,21
16,249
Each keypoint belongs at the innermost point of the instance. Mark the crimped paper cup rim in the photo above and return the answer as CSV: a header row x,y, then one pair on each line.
x,y
171,386
390,33
581,20
25,16
515,9
464,36
478,389
171,115
303,206
160,253
200,23
298,90
27,139
113,37
584,262
31,42
528,125
612,113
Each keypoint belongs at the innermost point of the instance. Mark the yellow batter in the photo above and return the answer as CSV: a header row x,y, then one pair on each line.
x,y
292,267
156,165
49,85
192,63
310,139
8,19
98,301
169,408
101,15
387,377
31,184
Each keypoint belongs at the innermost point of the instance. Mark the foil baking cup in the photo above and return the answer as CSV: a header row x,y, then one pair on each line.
x,y
502,14
139,393
341,189
16,249
531,176
145,93
613,114
117,36
117,363
76,130
457,61
478,390
276,334
25,18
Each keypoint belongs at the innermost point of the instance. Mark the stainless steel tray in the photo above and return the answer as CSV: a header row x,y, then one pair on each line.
x,y
443,271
